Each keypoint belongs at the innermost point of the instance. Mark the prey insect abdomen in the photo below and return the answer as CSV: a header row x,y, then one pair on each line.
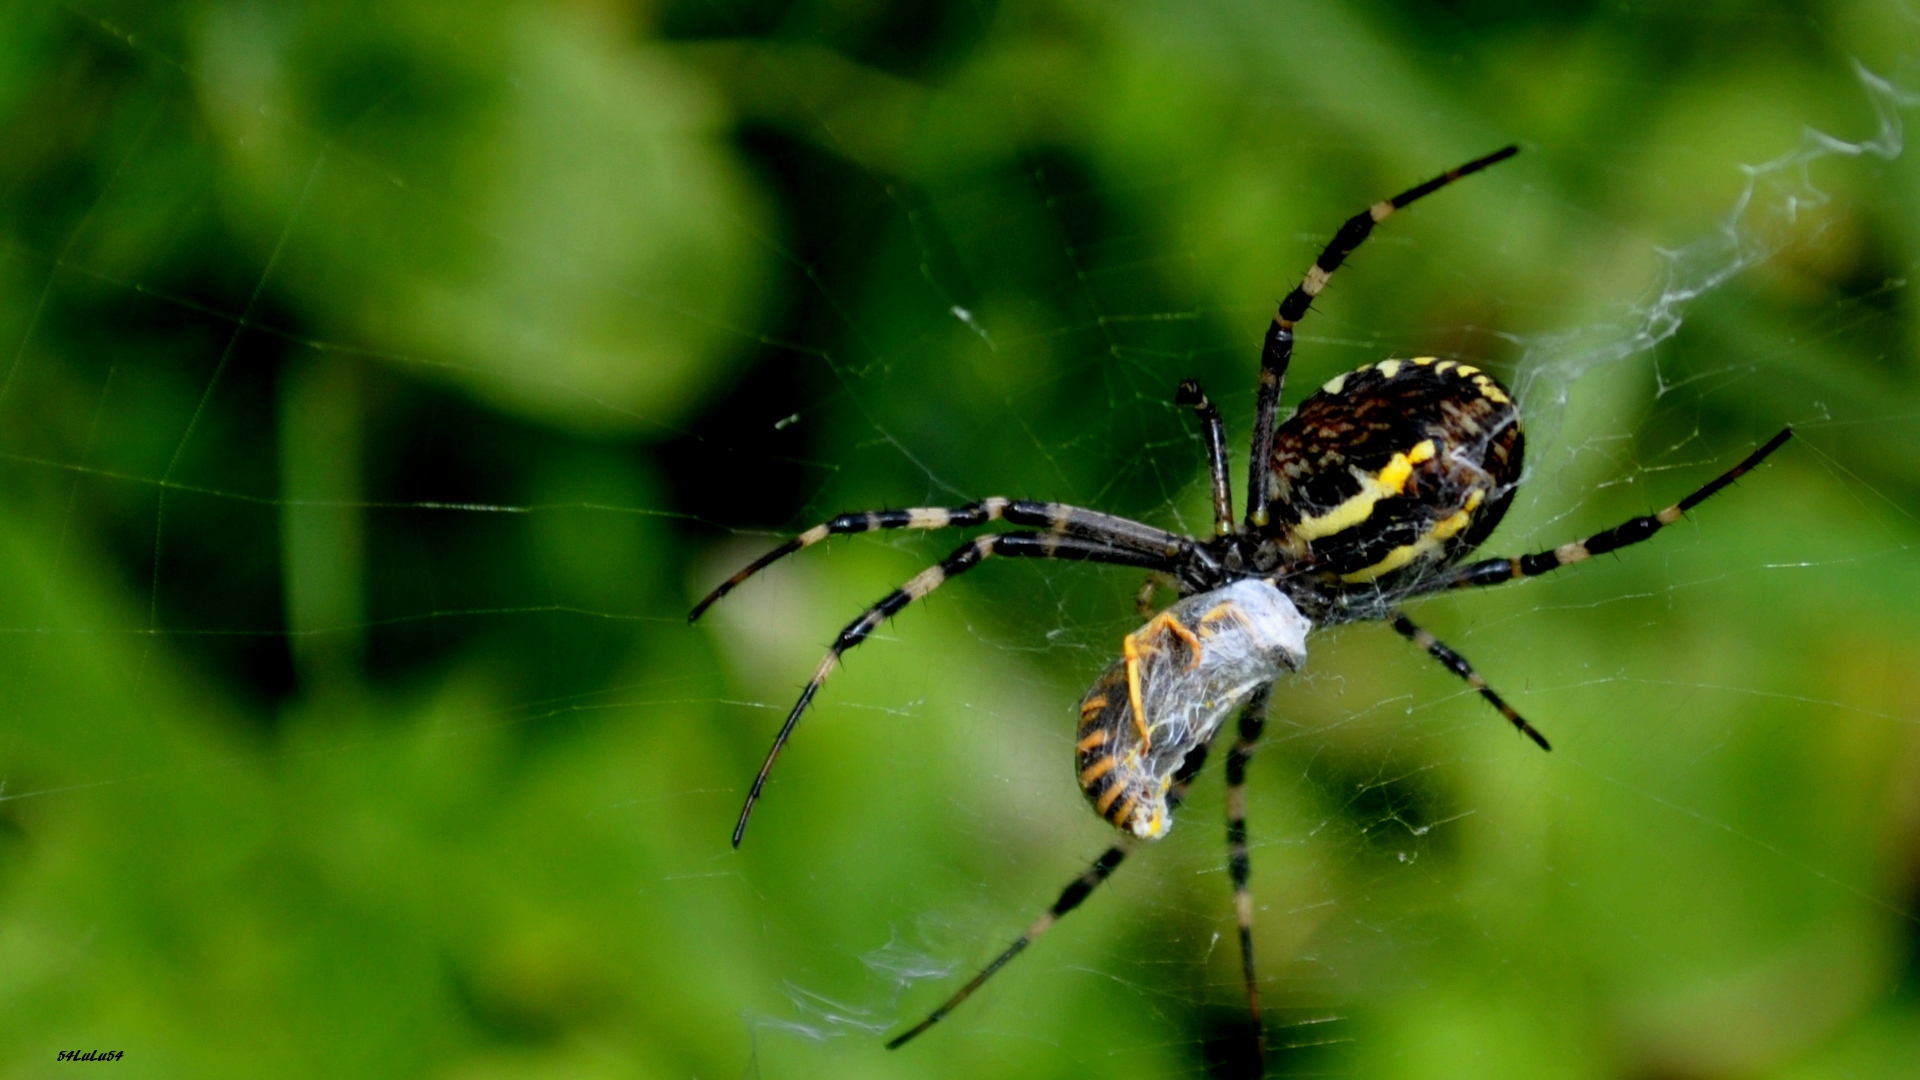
x,y
1178,679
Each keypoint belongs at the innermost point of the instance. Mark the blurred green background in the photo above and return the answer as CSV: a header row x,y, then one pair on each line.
x,y
380,382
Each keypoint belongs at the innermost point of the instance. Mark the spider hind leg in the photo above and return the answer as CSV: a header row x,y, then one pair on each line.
x,y
1277,353
1627,533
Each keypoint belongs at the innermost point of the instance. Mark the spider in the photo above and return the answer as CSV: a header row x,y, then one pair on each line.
x,y
1368,496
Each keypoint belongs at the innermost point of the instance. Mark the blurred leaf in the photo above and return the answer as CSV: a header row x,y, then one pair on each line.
x,y
523,204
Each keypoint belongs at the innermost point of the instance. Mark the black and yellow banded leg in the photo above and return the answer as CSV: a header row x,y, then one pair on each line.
x,y
1277,352
1058,518
1071,897
1215,432
1143,600
967,556
1253,721
1457,664
1102,868
1633,531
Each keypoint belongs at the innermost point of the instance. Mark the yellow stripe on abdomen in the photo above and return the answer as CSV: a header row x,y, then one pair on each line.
x,y
1391,480
1441,531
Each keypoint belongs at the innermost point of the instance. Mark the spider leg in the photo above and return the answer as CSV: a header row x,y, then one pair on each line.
x,y
964,558
1108,529
1253,720
1143,600
1216,434
1070,898
1076,891
1277,352
1632,531
1457,664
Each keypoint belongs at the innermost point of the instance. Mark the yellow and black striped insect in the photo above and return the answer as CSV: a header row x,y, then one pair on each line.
x,y
1368,496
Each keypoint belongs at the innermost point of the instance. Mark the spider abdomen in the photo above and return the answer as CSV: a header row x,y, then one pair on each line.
x,y
1393,469
1178,679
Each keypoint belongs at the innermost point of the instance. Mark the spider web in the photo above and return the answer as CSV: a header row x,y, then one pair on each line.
x,y
346,648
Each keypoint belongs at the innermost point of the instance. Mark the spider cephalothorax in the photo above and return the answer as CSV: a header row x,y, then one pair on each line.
x,y
1368,496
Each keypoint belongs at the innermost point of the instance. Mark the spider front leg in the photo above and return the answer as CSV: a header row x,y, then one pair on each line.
x,y
1253,721
1108,530
1071,897
965,557
1143,600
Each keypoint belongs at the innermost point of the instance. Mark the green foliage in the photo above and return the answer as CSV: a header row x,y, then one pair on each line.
x,y
379,383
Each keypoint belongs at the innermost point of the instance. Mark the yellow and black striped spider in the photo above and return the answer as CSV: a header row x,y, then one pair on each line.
x,y
1368,496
